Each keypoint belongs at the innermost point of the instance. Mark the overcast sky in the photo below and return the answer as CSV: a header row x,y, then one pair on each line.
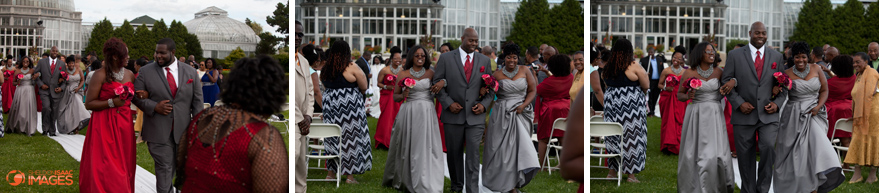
x,y
181,10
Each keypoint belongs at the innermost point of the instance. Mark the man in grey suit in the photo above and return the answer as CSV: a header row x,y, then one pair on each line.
x,y
750,81
50,89
168,93
460,71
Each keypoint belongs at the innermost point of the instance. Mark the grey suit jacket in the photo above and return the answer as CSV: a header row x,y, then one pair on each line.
x,y
186,104
741,65
458,89
50,78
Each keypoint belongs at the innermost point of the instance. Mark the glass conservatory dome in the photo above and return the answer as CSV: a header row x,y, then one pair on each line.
x,y
220,34
33,26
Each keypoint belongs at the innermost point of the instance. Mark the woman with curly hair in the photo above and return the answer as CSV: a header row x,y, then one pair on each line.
x,y
625,103
108,158
73,111
231,148
345,84
210,88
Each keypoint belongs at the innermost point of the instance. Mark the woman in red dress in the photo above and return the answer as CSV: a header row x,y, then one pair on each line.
x,y
8,89
554,101
671,109
839,104
108,158
231,148
386,100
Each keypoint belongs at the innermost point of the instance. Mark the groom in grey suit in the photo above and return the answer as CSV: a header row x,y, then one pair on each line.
x,y
751,69
169,93
50,90
463,120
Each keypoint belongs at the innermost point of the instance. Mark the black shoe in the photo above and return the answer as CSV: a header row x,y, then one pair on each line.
x,y
52,134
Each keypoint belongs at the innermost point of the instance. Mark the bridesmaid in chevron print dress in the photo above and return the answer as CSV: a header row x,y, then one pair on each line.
x,y
345,84
625,103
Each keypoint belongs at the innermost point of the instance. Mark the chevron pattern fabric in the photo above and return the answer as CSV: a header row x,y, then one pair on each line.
x,y
627,106
345,107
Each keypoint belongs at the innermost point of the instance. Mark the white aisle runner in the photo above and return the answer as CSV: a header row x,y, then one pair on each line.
x,y
739,180
446,174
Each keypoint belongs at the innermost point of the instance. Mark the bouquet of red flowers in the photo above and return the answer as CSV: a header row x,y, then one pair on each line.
x,y
672,80
390,79
406,83
491,82
124,93
19,77
64,77
8,73
782,80
693,83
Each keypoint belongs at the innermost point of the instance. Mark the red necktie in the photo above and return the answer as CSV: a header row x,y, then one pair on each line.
x,y
759,65
171,83
52,69
468,66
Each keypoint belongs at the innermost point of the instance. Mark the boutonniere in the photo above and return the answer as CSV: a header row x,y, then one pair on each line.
x,y
59,68
774,65
189,81
482,69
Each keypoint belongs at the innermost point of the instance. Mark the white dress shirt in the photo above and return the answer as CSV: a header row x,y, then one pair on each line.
x,y
174,72
754,53
464,56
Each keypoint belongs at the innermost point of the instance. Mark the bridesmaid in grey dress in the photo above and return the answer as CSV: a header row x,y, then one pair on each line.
x,y
73,111
23,115
415,159
509,157
704,162
805,160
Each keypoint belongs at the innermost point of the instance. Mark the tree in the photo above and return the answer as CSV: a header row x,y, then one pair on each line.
x,y
178,32
732,43
193,46
850,22
233,56
254,26
568,26
281,18
530,27
267,43
160,30
144,44
125,32
870,32
815,23
101,33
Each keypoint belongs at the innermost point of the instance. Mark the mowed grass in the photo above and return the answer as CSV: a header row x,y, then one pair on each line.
x,y
661,172
371,181
19,152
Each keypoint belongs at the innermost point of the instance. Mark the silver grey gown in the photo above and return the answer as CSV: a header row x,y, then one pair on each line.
x,y
509,157
704,162
415,159
805,160
72,108
23,115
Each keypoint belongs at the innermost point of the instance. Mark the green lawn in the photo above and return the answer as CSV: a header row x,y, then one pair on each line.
x,y
19,152
660,174
371,181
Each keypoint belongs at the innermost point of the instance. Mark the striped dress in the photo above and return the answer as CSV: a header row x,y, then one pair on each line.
x,y
625,103
344,106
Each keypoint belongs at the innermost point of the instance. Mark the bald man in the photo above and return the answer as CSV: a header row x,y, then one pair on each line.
x,y
50,90
872,53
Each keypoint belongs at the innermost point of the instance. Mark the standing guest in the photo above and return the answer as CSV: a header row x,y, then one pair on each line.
x,y
489,52
873,53
598,56
245,139
24,105
704,164
578,60
8,88
161,86
302,110
672,110
445,47
753,67
543,71
787,55
840,98
509,158
139,121
830,54
201,69
50,89
210,88
415,159
80,64
2,80
805,160
554,100
816,57
386,100
108,158
654,66
571,164
311,53
363,63
863,148
344,105
463,108
73,113
97,64
625,103
377,60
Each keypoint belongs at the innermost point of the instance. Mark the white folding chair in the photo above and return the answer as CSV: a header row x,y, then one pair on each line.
x,y
275,119
321,131
206,105
558,124
597,118
603,129
843,125
597,142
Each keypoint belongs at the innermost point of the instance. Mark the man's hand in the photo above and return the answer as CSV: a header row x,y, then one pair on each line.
x,y
438,86
827,70
304,125
163,107
776,90
483,91
726,88
478,109
44,87
57,90
771,108
142,94
746,108
455,108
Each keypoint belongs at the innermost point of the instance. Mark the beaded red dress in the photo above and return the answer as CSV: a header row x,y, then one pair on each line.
x,y
108,158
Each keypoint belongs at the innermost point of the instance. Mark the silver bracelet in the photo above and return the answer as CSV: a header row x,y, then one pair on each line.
x,y
110,102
